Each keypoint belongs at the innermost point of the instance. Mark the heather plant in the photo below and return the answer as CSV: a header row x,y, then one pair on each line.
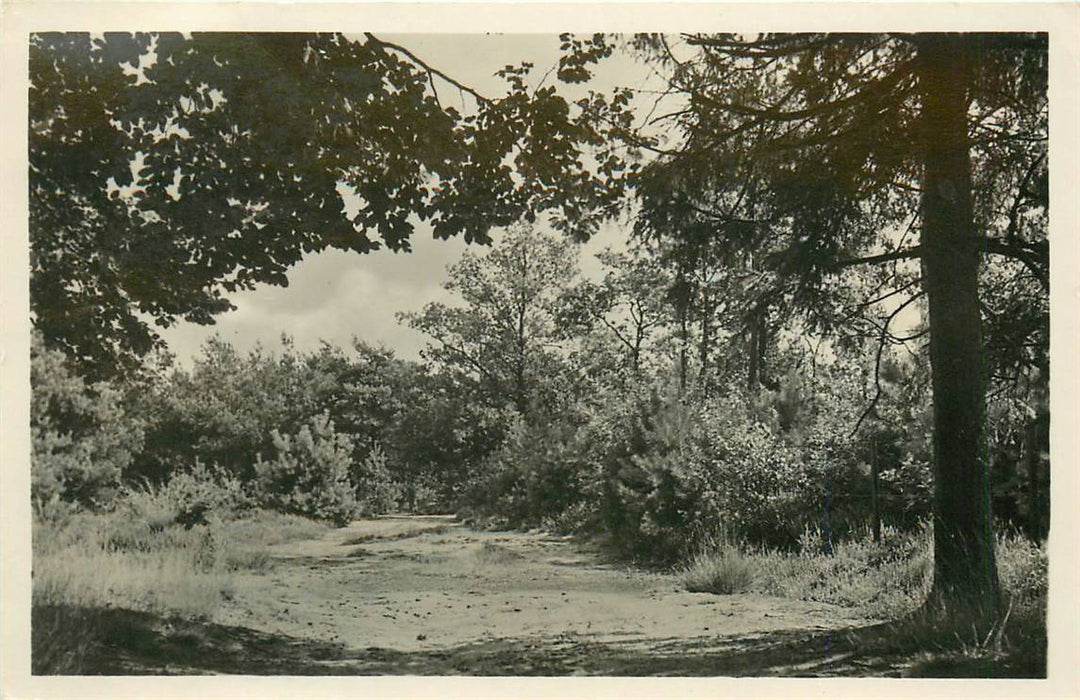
x,y
309,474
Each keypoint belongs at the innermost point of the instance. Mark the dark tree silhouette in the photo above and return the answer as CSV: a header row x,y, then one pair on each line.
x,y
819,154
167,171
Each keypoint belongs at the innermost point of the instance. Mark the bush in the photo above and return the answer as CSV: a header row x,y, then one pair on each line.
x,y
536,475
202,490
82,438
651,497
310,474
376,490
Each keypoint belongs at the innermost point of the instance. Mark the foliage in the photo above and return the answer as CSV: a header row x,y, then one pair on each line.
x,y
628,306
375,488
439,439
82,435
503,334
230,156
536,474
667,401
761,467
222,411
805,157
309,473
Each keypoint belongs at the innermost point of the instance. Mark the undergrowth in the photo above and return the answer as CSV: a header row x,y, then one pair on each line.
x,y
148,554
889,580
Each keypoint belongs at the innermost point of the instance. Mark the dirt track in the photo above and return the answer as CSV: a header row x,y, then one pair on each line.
x,y
422,589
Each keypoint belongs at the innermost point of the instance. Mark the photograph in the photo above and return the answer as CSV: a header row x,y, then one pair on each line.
x,y
694,353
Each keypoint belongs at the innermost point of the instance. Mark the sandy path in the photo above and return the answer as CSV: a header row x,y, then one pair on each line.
x,y
427,583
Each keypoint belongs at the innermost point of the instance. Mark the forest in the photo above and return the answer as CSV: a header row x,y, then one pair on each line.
x,y
815,367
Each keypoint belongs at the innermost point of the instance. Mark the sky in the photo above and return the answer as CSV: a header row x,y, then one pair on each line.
x,y
336,295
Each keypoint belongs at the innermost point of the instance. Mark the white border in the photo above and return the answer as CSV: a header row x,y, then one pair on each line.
x,y
19,18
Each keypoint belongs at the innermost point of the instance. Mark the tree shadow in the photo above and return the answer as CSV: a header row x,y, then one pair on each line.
x,y
83,641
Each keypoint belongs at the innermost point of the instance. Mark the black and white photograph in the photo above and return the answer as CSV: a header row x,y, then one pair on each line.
x,y
371,352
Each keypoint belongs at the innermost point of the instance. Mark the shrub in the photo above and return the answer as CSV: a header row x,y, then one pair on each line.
x,y
206,489
82,438
535,475
376,490
310,473
651,496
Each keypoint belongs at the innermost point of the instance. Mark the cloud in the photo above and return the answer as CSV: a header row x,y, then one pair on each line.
x,y
334,295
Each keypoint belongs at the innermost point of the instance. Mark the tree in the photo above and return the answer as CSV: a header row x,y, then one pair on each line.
x,y
847,143
505,336
169,170
83,437
309,473
223,410
629,303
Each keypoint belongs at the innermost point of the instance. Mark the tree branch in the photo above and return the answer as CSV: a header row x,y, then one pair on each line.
x,y
872,406
902,254
427,68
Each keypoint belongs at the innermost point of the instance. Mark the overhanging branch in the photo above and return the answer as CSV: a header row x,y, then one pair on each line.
x,y
430,70
902,254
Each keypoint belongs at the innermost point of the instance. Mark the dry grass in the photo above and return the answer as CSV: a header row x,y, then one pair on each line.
x,y
718,568
889,580
135,559
138,558
496,554
136,566
881,580
263,528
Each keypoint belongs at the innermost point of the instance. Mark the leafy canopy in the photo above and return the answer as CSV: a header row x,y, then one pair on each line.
x,y
168,170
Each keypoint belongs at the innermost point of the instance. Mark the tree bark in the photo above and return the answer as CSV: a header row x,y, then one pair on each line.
x,y
758,348
965,572
707,309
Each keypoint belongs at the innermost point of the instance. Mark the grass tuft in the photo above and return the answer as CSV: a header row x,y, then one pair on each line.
x,y
491,553
719,567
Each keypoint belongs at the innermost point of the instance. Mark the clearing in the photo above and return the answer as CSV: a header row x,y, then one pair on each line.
x,y
428,595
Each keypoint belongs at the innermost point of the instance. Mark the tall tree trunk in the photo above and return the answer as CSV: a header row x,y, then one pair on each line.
x,y
707,308
682,310
757,347
965,572
1036,444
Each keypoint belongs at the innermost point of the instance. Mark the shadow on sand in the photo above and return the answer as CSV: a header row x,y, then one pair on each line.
x,y
82,641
